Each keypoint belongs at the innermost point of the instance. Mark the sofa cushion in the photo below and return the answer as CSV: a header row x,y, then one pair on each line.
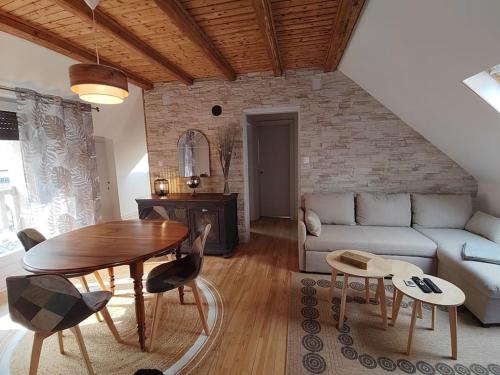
x,y
313,223
391,210
332,208
481,252
377,240
441,210
485,225
484,276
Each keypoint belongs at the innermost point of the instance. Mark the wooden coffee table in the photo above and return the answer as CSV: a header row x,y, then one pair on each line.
x,y
451,297
378,268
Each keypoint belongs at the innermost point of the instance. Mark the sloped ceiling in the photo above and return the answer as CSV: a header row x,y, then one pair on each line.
x,y
413,55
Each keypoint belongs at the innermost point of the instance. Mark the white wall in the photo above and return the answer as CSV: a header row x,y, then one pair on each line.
x,y
413,55
30,66
488,197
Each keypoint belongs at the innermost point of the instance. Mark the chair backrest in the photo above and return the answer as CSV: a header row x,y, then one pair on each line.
x,y
30,237
198,248
43,302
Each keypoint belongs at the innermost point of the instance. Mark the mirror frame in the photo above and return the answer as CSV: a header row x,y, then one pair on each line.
x,y
208,147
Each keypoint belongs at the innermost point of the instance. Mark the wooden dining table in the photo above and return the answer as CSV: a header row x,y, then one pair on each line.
x,y
101,246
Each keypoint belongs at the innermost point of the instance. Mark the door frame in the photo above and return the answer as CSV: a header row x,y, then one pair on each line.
x,y
245,124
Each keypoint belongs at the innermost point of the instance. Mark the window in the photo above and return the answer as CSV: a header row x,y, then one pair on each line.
x,y
487,85
13,198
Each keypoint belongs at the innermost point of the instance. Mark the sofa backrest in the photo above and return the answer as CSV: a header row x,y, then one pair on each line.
x,y
389,210
332,208
441,210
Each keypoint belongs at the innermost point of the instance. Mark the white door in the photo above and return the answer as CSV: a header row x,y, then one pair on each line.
x,y
274,170
109,195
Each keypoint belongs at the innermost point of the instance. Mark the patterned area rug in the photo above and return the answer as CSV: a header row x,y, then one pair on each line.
x,y
179,345
316,346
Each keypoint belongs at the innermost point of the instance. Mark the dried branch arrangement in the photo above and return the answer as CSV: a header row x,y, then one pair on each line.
x,y
226,136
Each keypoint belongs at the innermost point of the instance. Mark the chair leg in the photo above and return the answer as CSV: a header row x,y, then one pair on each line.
x,y
61,342
36,350
87,289
197,298
99,280
154,324
83,349
111,324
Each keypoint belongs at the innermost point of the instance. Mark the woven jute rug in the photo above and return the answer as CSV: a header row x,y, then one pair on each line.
x,y
316,346
179,345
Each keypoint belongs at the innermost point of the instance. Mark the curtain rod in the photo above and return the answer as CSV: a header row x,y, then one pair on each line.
x,y
6,88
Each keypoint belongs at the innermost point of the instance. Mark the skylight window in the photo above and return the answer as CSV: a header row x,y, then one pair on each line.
x,y
487,85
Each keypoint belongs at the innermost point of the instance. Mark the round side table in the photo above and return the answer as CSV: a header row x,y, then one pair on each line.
x,y
378,268
452,297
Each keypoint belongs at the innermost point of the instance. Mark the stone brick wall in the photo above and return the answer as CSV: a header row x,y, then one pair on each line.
x,y
352,142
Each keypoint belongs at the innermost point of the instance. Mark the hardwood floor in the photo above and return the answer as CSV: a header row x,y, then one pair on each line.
x,y
254,284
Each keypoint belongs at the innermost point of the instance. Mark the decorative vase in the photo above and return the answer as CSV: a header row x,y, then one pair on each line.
x,y
226,187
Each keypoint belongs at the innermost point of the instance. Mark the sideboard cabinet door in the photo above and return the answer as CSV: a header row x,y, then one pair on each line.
x,y
200,217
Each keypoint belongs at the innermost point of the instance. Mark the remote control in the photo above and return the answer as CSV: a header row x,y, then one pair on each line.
x,y
423,286
431,285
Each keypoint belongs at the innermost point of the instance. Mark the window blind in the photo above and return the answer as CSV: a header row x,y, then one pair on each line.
x,y
9,130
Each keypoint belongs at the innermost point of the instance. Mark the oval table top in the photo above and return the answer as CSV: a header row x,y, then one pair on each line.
x,y
104,245
378,267
452,295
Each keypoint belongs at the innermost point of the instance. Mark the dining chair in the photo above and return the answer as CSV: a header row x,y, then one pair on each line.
x,y
180,272
30,237
48,304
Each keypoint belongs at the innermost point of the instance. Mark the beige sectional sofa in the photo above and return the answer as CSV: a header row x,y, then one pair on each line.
x,y
428,230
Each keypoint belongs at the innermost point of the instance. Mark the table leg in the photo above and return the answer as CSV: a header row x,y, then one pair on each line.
x,y
367,290
111,273
396,306
383,303
343,301
433,317
332,283
377,295
412,325
420,312
452,311
136,272
178,255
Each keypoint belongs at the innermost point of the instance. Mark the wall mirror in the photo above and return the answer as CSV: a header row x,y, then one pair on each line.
x,y
193,153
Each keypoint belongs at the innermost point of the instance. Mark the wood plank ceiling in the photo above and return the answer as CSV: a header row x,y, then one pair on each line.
x,y
169,40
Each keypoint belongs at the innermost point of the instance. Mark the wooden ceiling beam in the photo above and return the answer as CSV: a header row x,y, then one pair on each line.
x,y
347,17
264,16
188,26
124,36
17,27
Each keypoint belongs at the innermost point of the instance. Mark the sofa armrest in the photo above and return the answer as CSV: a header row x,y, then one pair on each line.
x,y
301,242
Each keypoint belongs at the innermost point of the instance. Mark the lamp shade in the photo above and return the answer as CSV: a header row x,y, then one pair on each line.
x,y
96,83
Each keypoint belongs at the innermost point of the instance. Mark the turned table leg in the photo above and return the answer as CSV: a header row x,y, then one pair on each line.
x,y
136,273
111,273
178,255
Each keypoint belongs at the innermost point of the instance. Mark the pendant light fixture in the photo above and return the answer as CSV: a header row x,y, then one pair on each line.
x,y
97,83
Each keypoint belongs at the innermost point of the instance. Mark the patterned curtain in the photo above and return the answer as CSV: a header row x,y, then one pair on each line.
x,y
60,167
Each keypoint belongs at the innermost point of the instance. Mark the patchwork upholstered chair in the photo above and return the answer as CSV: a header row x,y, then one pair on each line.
x,y
172,275
30,237
47,304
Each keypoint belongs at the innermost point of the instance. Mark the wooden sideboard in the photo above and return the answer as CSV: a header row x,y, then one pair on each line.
x,y
196,211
